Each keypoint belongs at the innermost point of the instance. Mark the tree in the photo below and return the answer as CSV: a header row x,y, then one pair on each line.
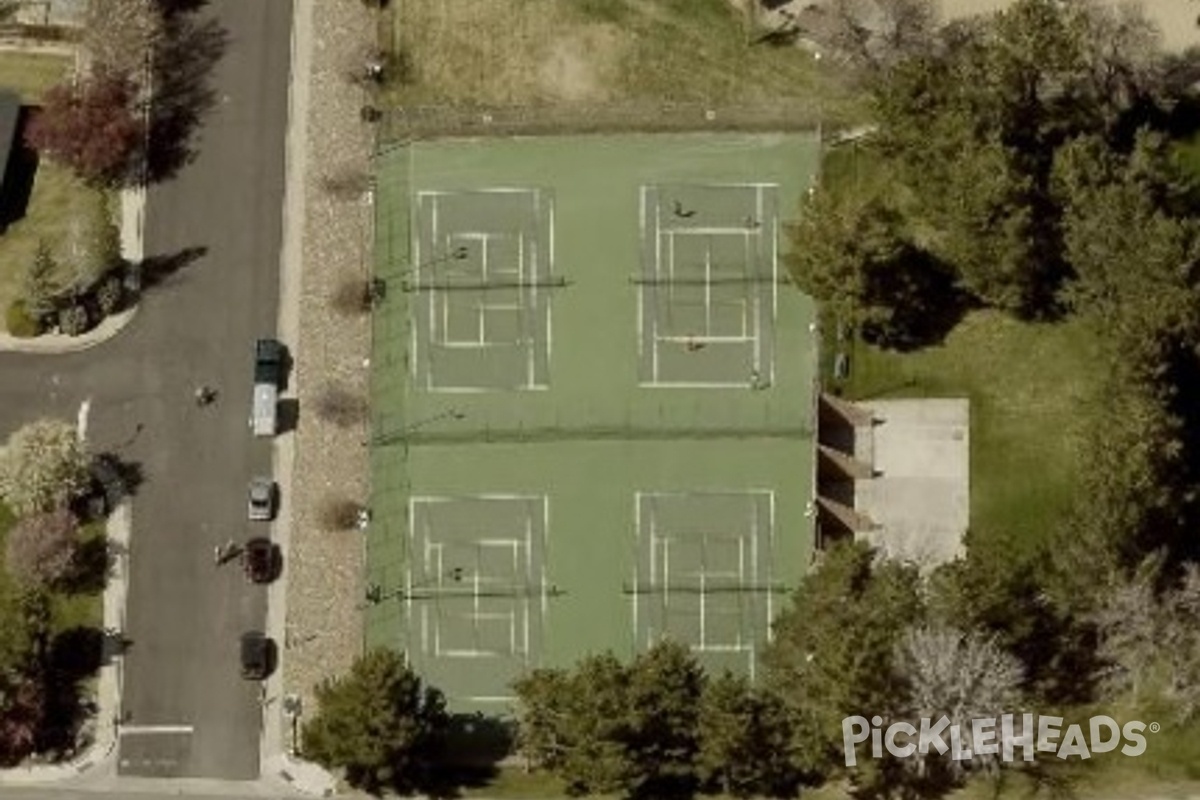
x,y
596,728
972,127
542,729
1149,639
833,648
744,741
37,285
962,675
43,467
22,709
91,127
378,723
850,252
605,727
41,548
664,691
873,35
120,35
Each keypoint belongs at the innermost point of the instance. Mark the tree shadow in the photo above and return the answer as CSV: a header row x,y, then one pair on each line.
x,y
182,70
74,655
173,7
90,567
160,270
468,757
912,301
112,481
19,175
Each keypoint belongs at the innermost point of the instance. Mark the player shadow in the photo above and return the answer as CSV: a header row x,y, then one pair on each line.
x,y
70,660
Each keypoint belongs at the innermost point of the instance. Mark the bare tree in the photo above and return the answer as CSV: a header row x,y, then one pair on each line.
x,y
41,548
340,514
346,183
44,466
1150,640
120,35
959,675
871,34
340,406
351,297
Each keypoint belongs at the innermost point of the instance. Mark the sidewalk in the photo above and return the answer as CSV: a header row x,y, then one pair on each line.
x,y
312,612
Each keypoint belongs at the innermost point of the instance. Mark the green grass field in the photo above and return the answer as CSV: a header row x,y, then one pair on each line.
x,y
592,437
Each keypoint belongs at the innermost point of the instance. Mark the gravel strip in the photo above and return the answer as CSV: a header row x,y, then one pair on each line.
x,y
325,569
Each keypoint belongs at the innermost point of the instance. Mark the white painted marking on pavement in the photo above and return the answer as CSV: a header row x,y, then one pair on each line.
x,y
82,425
133,730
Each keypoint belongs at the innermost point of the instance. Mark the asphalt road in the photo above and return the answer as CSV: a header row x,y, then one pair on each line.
x,y
185,615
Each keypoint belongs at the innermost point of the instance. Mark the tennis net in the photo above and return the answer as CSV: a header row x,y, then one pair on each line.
x,y
500,283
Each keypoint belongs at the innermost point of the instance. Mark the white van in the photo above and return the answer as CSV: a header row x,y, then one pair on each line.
x,y
266,405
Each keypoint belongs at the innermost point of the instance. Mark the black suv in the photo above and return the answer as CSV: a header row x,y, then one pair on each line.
x,y
258,656
260,560
269,360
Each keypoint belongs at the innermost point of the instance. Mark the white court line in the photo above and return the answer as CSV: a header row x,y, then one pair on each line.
x,y
707,339
742,231
466,192
668,385
658,264
151,730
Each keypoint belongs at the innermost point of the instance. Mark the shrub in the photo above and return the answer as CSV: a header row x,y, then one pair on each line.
x,y
74,320
352,297
340,406
20,322
110,294
340,514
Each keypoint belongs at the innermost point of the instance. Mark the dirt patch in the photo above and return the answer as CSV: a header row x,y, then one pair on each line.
x,y
581,68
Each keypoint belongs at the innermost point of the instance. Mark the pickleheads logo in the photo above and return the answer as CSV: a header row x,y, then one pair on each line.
x,y
998,737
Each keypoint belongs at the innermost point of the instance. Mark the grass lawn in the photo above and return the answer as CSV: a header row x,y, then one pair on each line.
x,y
79,610
56,198
30,74
1026,384
513,52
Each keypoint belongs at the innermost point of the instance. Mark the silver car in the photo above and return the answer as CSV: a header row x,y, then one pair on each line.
x,y
262,500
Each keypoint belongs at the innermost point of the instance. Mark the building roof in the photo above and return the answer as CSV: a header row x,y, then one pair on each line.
x,y
10,114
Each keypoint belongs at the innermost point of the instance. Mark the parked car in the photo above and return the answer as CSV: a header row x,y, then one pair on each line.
x,y
269,365
260,560
258,655
262,500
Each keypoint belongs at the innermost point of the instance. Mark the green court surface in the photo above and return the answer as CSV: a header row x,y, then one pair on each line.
x,y
594,402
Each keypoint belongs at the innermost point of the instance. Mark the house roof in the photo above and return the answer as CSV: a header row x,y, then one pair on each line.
x,y
10,114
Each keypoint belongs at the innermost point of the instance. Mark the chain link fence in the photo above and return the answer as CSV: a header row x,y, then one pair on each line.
x,y
398,126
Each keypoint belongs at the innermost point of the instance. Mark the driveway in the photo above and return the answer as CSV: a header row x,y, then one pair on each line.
x,y
187,711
